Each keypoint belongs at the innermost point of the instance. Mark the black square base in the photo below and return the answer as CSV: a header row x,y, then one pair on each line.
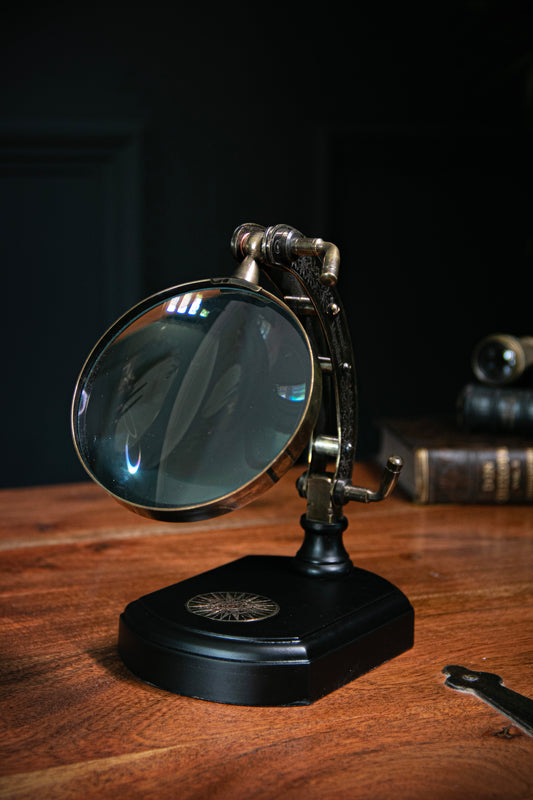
x,y
258,632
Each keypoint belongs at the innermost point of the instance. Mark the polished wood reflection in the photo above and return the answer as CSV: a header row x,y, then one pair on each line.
x,y
76,723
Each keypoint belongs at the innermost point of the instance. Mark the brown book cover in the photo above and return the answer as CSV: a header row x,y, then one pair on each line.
x,y
444,464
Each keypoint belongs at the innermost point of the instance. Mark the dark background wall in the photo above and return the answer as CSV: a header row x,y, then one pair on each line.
x,y
134,139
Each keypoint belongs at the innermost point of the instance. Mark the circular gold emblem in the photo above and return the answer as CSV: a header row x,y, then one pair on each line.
x,y
232,606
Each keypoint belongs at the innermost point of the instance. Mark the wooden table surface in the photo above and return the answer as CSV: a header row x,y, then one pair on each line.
x,y
75,723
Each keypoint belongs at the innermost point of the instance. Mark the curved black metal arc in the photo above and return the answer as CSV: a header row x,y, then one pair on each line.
x,y
334,325
294,262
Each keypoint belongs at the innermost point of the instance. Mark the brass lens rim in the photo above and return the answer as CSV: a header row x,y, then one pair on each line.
x,y
264,479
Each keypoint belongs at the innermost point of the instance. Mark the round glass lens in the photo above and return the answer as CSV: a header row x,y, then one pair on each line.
x,y
497,362
194,397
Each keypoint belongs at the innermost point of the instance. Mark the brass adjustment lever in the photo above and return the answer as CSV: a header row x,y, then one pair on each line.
x,y
344,491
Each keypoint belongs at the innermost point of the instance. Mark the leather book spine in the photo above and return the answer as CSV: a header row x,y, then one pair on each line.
x,y
502,475
496,409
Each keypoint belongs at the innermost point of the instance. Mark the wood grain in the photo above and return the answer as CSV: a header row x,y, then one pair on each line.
x,y
75,723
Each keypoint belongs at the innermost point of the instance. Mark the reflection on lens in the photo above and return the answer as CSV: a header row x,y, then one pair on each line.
x,y
191,399
496,361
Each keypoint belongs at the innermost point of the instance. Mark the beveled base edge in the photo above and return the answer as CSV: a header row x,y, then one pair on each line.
x,y
282,661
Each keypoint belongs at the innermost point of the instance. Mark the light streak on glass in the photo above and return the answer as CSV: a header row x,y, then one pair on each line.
x,y
295,394
132,468
194,308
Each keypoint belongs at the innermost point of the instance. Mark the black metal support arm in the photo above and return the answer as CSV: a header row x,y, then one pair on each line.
x,y
326,485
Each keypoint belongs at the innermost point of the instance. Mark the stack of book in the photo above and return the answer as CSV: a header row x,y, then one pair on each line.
x,y
480,453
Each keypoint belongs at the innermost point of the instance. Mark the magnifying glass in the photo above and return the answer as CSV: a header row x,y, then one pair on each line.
x,y
193,403
197,400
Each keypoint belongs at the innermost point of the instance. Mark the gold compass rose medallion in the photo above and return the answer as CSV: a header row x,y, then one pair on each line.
x,y
232,606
